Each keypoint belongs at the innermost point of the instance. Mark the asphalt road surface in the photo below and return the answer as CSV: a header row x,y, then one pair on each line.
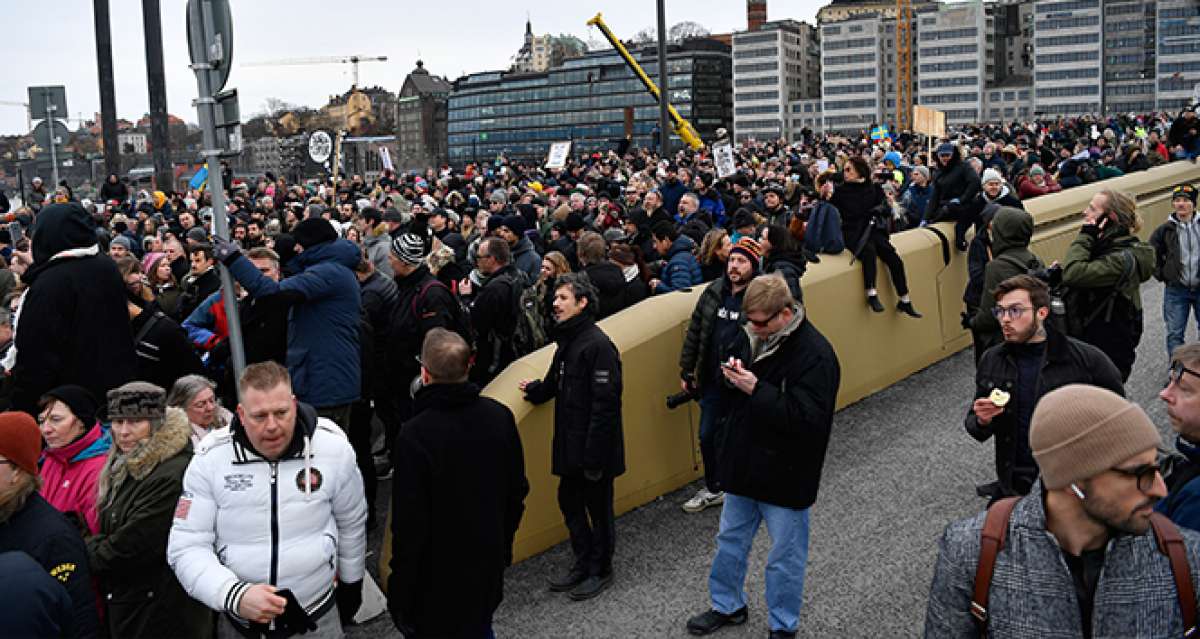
x,y
899,468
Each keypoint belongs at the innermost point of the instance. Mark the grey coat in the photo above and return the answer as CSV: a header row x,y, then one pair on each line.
x,y
1032,592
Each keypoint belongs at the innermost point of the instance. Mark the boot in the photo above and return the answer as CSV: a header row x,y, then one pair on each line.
x,y
907,309
874,303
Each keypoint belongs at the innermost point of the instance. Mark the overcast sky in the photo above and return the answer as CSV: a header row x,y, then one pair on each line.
x,y
44,47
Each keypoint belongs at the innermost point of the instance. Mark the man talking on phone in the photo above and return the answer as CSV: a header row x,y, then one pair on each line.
x,y
1104,269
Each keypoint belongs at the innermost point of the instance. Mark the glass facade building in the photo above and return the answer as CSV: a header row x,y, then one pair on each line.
x,y
584,101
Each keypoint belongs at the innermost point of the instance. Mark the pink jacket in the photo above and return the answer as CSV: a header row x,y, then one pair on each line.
x,y
70,474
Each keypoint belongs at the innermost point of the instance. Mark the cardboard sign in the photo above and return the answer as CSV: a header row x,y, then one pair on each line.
x,y
724,161
560,152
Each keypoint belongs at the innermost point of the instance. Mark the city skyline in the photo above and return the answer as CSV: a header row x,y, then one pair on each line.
x,y
487,42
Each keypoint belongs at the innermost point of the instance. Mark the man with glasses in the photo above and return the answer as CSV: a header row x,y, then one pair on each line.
x,y
1012,376
492,308
1182,397
1076,557
1177,264
781,381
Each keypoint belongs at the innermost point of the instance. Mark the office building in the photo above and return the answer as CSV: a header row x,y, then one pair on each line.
x,y
1129,28
587,101
858,72
773,66
421,121
1177,52
1068,57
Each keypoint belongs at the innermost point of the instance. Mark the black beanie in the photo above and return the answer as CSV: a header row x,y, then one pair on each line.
x,y
313,231
78,399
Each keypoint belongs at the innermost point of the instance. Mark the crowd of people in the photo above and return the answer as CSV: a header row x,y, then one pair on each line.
x,y
165,493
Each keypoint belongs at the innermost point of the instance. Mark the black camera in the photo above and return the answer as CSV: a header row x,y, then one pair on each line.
x,y
679,399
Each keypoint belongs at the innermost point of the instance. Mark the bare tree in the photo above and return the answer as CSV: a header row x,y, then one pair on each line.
x,y
686,30
645,36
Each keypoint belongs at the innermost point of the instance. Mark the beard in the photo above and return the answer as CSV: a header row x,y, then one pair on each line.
x,y
1111,515
1024,336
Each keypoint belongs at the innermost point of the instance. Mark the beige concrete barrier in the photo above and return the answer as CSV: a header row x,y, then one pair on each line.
x,y
875,350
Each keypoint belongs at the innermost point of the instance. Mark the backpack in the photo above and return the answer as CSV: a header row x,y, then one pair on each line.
x,y
460,321
1084,306
824,231
529,333
995,530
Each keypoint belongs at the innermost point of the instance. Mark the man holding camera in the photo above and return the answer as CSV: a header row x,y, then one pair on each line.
x,y
716,323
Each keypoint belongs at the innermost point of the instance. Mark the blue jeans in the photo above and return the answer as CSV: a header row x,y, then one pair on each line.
x,y
788,528
1177,302
710,415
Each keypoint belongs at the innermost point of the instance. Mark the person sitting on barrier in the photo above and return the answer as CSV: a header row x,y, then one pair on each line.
x,y
862,204
1104,269
955,184
1033,359
715,324
1177,264
1009,232
588,447
1080,559
1182,474
779,394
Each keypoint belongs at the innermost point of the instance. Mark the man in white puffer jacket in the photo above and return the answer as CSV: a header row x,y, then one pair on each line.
x,y
274,502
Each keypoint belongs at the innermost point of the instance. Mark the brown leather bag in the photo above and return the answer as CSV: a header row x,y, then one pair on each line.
x,y
995,530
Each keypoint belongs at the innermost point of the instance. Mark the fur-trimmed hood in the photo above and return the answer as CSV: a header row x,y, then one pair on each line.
x,y
166,442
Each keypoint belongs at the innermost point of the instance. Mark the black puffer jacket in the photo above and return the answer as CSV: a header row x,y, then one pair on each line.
x,y
585,378
957,180
610,284
74,324
771,444
379,299
697,341
422,303
855,201
1067,361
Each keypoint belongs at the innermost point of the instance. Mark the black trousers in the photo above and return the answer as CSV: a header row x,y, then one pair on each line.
x,y
587,508
360,441
878,245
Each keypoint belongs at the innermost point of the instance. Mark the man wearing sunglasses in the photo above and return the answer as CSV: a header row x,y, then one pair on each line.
x,y
1177,264
1182,397
1079,558
780,391
1032,360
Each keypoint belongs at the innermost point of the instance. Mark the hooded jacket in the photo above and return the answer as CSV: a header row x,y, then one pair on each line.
x,y
1011,232
1169,245
955,181
70,475
138,494
74,323
1033,593
526,259
459,449
791,266
297,522
682,269
610,285
1094,260
378,243
323,330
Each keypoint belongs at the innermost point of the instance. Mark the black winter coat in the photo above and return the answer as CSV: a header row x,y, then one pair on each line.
x,y
585,377
164,353
1067,361
855,201
791,266
379,299
771,444
413,315
697,341
957,181
74,323
35,604
43,533
129,554
494,322
610,284
459,496
195,290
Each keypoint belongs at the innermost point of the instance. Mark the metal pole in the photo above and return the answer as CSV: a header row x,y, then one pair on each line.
x,y
108,98
157,85
664,88
51,109
206,109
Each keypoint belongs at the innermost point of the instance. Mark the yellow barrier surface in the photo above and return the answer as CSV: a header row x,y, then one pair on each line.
x,y
875,350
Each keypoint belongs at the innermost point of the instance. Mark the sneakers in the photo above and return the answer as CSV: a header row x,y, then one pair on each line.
x,y
702,500
711,621
568,581
591,587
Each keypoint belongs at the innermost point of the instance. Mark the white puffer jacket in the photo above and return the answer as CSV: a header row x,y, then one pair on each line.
x,y
295,523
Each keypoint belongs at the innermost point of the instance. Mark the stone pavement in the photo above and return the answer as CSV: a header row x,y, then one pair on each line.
x,y
899,468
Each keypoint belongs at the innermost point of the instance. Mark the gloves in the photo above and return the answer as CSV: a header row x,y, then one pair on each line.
x,y
349,599
224,250
966,320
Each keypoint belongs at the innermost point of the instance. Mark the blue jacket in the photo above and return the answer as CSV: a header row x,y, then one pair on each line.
x,y
671,193
1182,505
824,233
323,327
711,201
682,268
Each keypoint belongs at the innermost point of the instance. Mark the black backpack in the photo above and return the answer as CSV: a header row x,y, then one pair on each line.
x,y
529,332
460,318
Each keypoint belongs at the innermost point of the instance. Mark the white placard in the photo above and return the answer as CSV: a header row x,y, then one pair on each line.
x,y
723,159
559,153
385,157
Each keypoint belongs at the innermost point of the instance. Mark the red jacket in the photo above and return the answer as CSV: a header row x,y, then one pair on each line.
x,y
69,475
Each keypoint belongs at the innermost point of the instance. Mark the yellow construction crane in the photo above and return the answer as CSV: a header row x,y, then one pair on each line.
x,y
342,59
904,97
683,128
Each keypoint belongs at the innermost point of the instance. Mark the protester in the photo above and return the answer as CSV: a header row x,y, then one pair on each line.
x,y
461,449
492,307
1104,268
1036,182
76,447
196,396
955,184
30,525
604,275
201,282
783,254
1079,559
1009,233
1182,397
1177,264
588,447
783,379
681,270
138,490
277,451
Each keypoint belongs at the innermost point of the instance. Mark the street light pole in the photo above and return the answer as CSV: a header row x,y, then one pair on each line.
x,y
664,88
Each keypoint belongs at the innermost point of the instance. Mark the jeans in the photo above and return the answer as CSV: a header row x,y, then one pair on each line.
x,y
786,562
710,415
587,509
1177,302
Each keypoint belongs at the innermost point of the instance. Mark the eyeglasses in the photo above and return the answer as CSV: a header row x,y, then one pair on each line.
x,y
1178,370
1146,474
763,323
1011,312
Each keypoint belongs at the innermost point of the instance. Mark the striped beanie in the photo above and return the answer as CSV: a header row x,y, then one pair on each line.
x,y
409,248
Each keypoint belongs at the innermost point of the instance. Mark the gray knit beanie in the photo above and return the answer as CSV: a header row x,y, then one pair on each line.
x,y
1079,431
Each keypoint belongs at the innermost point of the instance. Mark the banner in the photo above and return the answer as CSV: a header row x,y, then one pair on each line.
x,y
199,178
386,158
560,152
929,121
723,159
